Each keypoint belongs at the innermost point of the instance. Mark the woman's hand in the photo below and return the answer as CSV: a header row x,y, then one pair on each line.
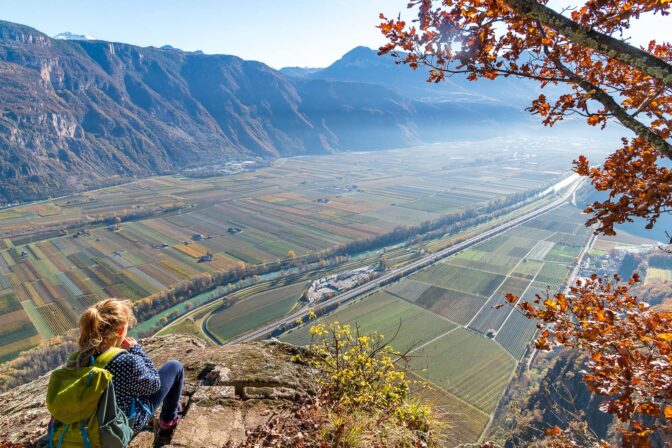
x,y
128,342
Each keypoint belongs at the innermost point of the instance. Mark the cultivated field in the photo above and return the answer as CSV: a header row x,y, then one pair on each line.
x,y
467,365
60,256
462,279
246,314
388,315
465,422
57,257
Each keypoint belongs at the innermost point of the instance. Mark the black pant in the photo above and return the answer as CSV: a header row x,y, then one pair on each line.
x,y
172,380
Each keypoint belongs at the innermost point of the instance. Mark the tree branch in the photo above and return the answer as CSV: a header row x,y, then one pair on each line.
x,y
598,94
427,61
602,43
630,122
647,101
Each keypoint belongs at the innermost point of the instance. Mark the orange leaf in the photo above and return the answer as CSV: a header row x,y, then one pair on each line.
x,y
668,412
553,431
511,298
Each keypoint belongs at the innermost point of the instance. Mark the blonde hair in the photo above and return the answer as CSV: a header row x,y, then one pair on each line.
x,y
99,324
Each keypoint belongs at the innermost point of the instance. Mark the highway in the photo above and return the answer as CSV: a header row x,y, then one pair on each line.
x,y
408,269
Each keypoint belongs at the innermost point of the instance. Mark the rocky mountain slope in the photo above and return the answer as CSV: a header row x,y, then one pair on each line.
x,y
563,398
228,392
76,113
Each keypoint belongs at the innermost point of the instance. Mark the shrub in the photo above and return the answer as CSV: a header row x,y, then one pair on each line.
x,y
365,391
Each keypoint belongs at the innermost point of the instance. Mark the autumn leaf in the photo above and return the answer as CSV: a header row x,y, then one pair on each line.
x,y
648,409
553,431
511,298
668,412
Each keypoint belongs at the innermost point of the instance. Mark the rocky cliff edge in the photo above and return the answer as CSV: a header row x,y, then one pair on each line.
x,y
229,391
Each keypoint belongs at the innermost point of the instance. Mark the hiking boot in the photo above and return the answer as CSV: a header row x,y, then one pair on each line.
x,y
164,431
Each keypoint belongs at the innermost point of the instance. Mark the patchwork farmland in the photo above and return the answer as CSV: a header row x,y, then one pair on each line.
x,y
470,362
57,257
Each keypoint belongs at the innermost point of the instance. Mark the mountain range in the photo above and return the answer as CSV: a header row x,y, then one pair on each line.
x,y
363,64
75,114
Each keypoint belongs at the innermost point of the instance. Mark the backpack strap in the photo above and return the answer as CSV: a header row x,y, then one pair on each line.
x,y
108,355
52,429
60,439
85,433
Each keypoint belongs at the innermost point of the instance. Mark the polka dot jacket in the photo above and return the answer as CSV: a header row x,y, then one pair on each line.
x,y
135,378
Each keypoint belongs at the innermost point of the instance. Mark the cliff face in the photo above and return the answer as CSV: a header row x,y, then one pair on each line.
x,y
228,392
561,399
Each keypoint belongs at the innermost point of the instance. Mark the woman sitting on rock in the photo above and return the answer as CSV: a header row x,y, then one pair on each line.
x,y
139,387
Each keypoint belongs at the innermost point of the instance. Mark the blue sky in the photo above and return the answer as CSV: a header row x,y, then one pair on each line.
x,y
279,33
309,33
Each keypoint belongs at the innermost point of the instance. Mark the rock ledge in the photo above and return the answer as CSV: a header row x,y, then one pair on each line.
x,y
229,391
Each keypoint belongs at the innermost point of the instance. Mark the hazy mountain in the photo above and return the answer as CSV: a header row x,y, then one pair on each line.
x,y
300,72
363,64
75,113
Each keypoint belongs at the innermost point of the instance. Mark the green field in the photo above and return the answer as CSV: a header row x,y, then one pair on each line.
x,y
408,289
247,314
9,303
491,318
527,269
386,314
464,422
552,273
187,326
463,279
471,367
457,306
495,262
16,334
563,253
516,334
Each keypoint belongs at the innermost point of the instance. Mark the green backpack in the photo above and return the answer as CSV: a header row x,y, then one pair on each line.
x,y
82,403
